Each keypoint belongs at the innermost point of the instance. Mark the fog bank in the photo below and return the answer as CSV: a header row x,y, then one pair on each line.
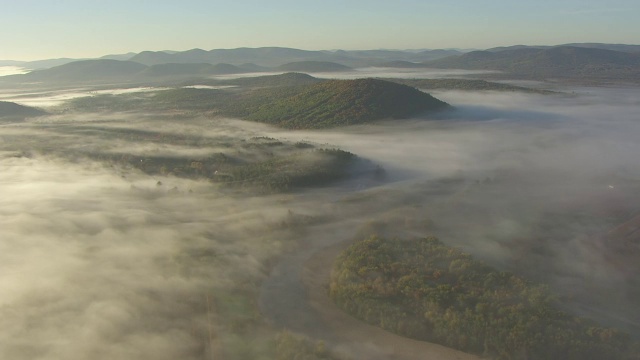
x,y
103,262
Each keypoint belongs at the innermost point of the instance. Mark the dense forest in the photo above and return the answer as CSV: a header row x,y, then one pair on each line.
x,y
296,167
428,291
337,103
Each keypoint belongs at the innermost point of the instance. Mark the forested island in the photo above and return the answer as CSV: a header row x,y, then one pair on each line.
x,y
428,291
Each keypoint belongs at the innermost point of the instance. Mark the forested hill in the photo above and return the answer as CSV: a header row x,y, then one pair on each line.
x,y
428,291
335,103
294,101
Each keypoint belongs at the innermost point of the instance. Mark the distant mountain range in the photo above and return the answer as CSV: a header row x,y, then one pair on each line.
x,y
277,56
264,56
49,63
314,66
553,62
89,71
579,61
614,47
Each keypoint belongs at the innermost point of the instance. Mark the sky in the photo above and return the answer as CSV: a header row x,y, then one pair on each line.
x,y
44,29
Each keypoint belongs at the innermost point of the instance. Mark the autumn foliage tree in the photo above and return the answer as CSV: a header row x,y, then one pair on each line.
x,y
428,291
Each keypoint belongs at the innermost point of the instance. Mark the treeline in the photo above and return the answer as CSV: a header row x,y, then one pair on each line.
x,y
187,100
263,165
319,167
428,291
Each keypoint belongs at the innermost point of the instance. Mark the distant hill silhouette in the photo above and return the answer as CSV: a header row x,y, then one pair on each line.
x,y
10,111
265,56
123,57
287,79
112,70
466,85
314,66
590,61
85,70
559,62
173,69
251,67
613,47
401,64
277,56
186,69
373,57
252,57
437,54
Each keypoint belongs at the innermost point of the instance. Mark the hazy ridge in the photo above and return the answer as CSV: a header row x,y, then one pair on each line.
x,y
554,62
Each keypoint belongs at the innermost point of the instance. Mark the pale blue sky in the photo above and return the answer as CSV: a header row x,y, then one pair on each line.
x,y
39,29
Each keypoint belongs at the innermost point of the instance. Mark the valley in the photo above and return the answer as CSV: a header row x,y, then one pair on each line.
x,y
195,210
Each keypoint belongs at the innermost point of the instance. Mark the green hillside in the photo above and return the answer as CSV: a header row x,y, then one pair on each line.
x,y
334,103
295,101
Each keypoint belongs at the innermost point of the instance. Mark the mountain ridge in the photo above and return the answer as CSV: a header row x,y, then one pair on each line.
x,y
250,55
553,62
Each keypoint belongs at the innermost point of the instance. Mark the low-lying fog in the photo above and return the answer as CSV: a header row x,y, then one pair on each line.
x,y
52,98
12,70
107,263
590,132
379,72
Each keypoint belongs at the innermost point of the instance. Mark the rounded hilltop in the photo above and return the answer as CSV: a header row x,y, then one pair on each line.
x,y
335,103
